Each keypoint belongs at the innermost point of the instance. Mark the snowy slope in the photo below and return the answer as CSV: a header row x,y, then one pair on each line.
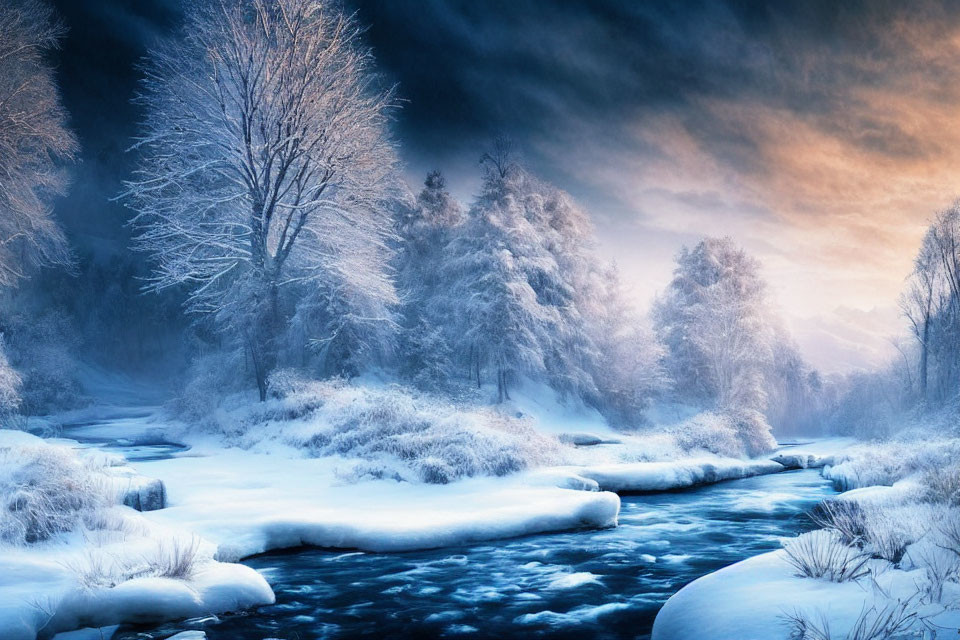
x,y
750,600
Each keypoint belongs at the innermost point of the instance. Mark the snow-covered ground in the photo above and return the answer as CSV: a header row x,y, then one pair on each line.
x,y
886,564
248,503
756,599
72,557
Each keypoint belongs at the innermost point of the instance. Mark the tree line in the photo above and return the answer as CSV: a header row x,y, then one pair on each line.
x,y
267,190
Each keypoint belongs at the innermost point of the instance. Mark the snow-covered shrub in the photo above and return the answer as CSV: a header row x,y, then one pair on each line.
x,y
879,466
753,430
948,530
932,461
710,432
942,485
732,434
940,565
176,558
45,490
881,530
40,348
208,378
822,554
846,517
890,528
401,431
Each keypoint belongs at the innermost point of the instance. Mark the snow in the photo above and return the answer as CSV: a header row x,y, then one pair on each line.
x,y
268,494
754,599
674,474
248,503
41,586
217,588
748,601
570,420
93,564
573,580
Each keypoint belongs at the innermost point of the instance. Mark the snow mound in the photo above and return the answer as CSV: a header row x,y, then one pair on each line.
x,y
71,557
249,503
751,600
674,474
216,588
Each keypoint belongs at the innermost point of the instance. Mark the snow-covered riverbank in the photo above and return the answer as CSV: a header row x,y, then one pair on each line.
x,y
885,565
228,496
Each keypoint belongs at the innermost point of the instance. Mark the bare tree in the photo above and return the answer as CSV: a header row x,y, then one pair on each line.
x,y
919,302
501,160
34,141
266,162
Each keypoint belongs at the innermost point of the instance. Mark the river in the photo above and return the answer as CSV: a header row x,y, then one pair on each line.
x,y
599,584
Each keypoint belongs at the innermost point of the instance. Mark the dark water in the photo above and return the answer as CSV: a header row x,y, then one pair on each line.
x,y
126,432
584,584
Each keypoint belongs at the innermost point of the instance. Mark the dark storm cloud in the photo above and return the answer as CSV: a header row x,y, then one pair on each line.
x,y
565,69
820,134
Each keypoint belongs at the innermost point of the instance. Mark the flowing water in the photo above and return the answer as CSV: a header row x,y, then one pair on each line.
x,y
599,584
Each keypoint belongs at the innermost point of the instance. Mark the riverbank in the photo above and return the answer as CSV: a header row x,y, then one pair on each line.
x,y
885,564
239,501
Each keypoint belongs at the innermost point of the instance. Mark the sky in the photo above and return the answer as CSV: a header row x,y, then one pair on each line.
x,y
819,135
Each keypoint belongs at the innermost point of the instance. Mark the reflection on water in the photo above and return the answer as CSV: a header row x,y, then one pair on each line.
x,y
598,584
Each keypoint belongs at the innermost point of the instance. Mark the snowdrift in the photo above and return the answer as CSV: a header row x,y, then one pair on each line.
x,y
674,474
249,503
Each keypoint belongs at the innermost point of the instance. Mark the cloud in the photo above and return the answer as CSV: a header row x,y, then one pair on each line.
x,y
820,135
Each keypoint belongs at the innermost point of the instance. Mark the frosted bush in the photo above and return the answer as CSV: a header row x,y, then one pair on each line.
x,y
44,491
846,517
940,566
710,432
942,485
885,463
753,430
822,554
40,348
890,528
176,558
406,433
207,379
732,434
879,466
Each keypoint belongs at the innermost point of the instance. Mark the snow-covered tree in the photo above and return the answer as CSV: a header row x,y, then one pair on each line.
x,y
716,326
265,169
627,365
10,383
920,302
425,229
34,140
499,322
794,389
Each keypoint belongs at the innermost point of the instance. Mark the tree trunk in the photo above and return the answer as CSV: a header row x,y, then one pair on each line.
x,y
259,370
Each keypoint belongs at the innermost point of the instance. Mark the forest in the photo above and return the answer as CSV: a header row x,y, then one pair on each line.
x,y
395,366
